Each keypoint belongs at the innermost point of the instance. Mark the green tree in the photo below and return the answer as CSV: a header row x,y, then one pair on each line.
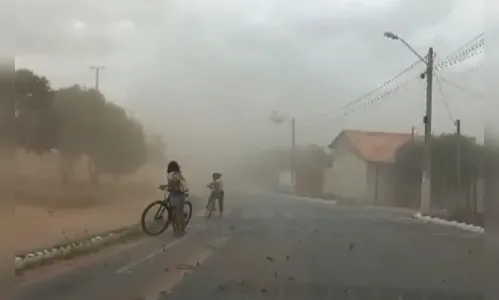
x,y
7,109
444,155
101,130
78,110
121,145
36,121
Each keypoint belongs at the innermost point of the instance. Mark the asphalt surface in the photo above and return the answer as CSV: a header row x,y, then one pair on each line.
x,y
275,247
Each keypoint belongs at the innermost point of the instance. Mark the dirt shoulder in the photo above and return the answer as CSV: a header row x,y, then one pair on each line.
x,y
38,227
66,216
47,212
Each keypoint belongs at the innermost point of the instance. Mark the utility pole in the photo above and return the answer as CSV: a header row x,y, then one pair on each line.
x,y
426,178
293,153
97,70
458,154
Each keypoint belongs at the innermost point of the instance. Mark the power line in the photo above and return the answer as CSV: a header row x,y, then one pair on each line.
x,y
447,107
470,70
463,53
467,44
368,94
463,89
372,101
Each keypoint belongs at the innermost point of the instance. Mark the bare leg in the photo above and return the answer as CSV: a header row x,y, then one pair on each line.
x,y
179,219
221,204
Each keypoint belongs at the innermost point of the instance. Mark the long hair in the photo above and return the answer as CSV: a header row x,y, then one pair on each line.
x,y
173,166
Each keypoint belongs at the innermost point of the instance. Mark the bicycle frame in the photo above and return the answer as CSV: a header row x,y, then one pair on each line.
x,y
212,203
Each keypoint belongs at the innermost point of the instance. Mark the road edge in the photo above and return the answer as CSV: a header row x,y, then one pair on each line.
x,y
66,251
463,226
70,250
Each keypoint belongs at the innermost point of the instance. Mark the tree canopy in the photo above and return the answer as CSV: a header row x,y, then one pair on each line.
x,y
156,150
35,119
77,122
444,160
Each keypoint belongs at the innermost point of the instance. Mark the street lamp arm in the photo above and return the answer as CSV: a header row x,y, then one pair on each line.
x,y
393,36
278,118
413,51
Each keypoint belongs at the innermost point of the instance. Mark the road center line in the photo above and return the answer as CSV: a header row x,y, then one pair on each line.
x,y
151,255
165,283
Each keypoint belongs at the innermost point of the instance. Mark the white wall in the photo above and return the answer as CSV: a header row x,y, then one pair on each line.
x,y
480,195
385,184
347,178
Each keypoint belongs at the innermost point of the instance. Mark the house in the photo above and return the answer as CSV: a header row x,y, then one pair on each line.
x,y
311,161
362,166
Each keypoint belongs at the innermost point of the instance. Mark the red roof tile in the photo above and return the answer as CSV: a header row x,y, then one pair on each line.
x,y
378,146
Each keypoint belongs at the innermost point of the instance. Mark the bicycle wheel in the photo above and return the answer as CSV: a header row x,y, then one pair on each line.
x,y
209,209
160,221
187,211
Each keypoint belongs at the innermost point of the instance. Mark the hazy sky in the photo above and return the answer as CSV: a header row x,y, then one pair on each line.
x,y
208,73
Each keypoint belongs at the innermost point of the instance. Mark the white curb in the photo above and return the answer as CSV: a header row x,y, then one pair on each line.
x,y
23,261
464,226
316,200
309,199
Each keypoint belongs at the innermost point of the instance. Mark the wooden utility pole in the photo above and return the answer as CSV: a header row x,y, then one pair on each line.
x,y
458,154
293,154
426,178
97,70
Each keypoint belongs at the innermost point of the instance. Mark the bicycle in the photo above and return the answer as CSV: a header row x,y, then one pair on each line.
x,y
211,205
162,207
210,208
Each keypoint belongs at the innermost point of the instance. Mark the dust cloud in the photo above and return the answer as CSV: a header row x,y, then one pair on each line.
x,y
206,77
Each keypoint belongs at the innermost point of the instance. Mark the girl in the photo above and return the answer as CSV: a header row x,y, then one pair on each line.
x,y
177,187
217,191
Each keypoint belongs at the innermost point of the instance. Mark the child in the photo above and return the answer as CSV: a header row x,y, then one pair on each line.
x,y
177,186
217,191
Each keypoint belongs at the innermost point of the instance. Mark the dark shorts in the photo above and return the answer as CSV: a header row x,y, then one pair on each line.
x,y
177,199
217,195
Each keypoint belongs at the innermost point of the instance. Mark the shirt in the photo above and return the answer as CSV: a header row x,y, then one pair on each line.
x,y
217,185
176,182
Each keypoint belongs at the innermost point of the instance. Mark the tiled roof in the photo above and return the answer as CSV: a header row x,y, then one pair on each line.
x,y
378,146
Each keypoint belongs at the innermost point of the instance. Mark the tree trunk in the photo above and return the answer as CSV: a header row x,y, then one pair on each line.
x,y
93,172
67,164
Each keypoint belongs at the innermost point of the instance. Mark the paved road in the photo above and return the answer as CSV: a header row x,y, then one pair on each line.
x,y
274,247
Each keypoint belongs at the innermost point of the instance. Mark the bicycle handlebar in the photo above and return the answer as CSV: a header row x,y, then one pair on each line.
x,y
163,187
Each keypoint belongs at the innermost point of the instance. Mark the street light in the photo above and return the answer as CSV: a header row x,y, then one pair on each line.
x,y
278,118
426,176
395,37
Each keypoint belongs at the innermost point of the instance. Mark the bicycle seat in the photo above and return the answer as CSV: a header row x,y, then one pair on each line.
x,y
163,187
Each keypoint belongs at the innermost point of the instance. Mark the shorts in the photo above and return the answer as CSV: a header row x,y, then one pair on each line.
x,y
177,199
216,195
